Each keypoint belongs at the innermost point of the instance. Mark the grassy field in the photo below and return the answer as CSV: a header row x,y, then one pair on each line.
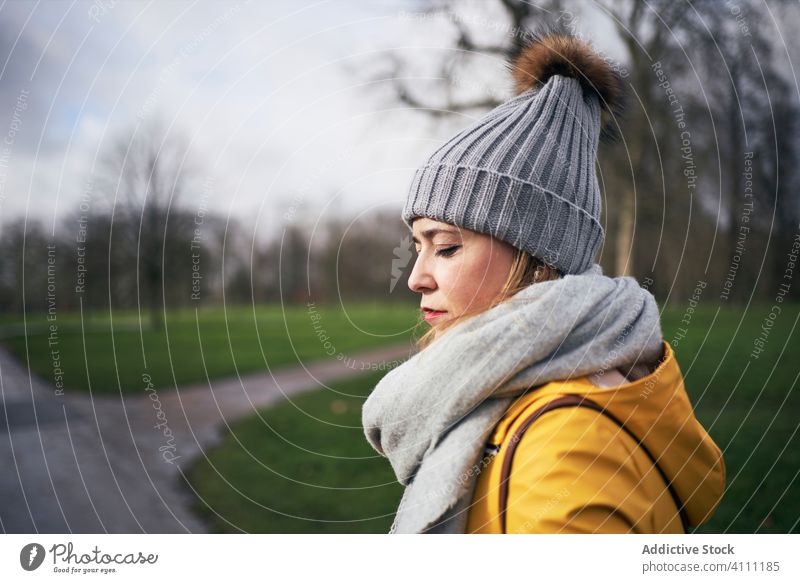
x,y
305,466
109,354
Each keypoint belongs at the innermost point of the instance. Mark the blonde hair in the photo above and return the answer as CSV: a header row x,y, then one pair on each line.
x,y
525,270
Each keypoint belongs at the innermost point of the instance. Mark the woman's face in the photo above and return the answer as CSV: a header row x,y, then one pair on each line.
x,y
456,269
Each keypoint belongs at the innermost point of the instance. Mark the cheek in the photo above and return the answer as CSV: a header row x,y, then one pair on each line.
x,y
475,281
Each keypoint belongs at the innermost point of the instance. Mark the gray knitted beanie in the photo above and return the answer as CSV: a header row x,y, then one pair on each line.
x,y
525,172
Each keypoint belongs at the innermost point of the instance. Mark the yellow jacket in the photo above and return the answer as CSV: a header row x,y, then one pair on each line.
x,y
575,470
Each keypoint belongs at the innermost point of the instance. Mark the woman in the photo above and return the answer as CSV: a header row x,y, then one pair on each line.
x,y
544,398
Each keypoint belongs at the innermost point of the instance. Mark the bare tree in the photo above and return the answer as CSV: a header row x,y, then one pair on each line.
x,y
742,117
146,175
501,37
653,33
24,266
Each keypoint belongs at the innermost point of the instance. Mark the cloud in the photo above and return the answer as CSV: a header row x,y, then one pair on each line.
x,y
272,95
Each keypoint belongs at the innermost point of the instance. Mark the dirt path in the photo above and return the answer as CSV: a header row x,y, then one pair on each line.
x,y
114,464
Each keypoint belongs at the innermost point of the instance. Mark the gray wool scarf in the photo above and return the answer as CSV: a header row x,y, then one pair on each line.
x,y
432,415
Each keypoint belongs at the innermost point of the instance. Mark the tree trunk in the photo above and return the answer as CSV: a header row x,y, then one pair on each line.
x,y
624,236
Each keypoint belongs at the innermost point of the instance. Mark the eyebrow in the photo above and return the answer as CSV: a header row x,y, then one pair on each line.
x,y
432,232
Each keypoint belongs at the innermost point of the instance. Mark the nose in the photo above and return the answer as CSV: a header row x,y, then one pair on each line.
x,y
421,279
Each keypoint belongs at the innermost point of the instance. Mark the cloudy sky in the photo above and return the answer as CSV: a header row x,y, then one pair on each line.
x,y
276,98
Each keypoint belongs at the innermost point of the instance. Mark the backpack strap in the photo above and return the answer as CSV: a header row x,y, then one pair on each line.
x,y
574,401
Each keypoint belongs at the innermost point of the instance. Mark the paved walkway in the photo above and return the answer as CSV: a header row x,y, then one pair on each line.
x,y
73,464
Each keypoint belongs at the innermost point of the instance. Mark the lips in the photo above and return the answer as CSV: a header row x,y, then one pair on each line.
x,y
431,314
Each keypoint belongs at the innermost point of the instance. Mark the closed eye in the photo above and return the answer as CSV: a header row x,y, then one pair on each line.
x,y
448,251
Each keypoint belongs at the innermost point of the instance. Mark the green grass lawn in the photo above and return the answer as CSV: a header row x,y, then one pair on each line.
x,y
749,406
109,354
305,466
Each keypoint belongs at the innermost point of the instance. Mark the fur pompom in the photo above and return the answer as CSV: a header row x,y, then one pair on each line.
x,y
555,52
